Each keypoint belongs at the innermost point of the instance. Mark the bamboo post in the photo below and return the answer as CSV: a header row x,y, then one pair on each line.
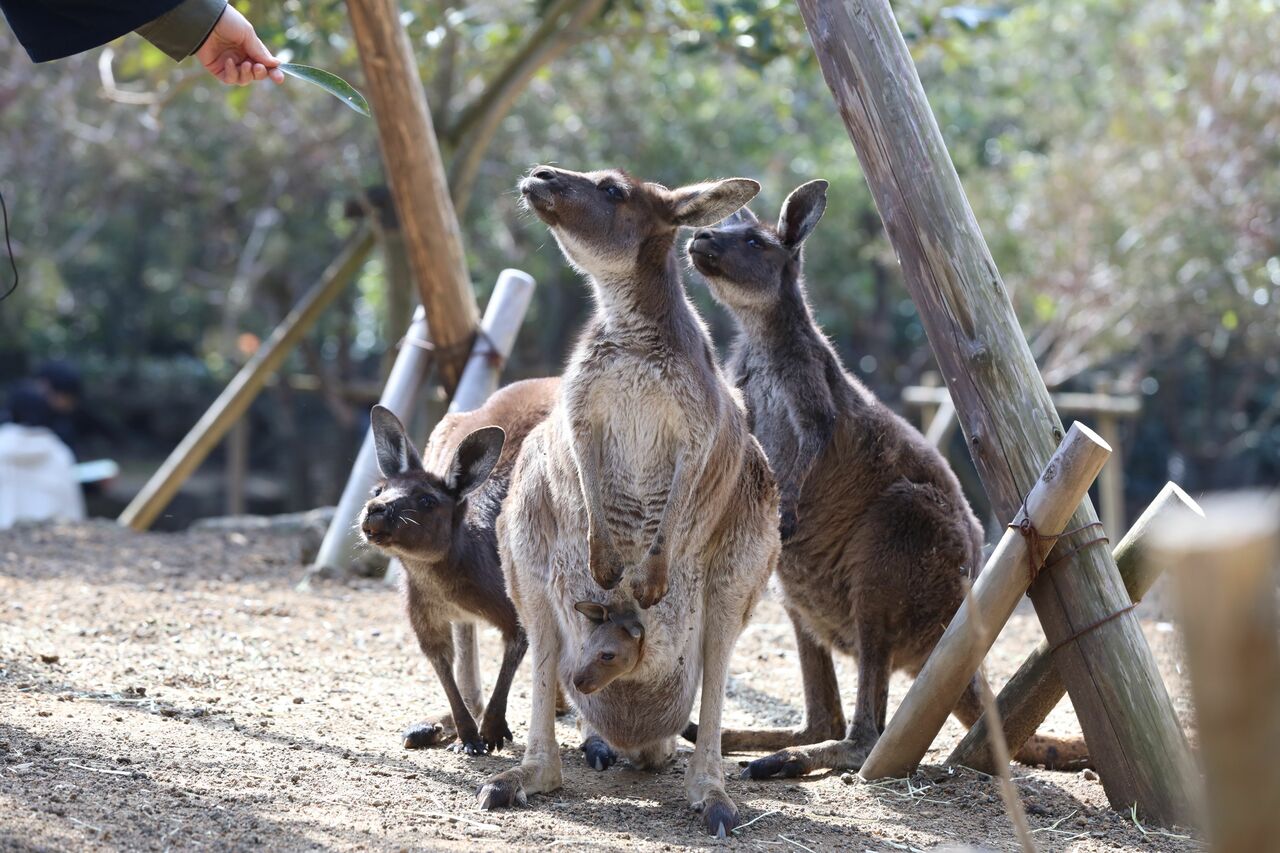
x,y
244,387
415,172
1225,573
1004,579
400,395
502,320
1004,408
1036,688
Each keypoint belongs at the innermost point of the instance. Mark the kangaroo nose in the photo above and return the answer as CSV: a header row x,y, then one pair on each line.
x,y
542,173
375,518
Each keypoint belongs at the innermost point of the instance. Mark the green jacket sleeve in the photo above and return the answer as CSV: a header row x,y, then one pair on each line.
x,y
180,31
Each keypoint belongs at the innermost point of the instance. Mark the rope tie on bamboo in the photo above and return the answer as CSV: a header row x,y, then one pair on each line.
x,y
1035,560
1037,565
489,350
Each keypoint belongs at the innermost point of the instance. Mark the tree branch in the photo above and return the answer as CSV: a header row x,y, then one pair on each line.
x,y
478,123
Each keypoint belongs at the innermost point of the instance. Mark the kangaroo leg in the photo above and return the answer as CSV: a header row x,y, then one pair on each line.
x,y
438,647
1053,753
540,770
436,642
704,778
595,749
864,731
494,730
823,713
466,668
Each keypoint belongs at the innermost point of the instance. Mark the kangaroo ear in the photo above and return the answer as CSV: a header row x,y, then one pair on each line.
x,y
630,623
395,452
743,216
597,613
706,204
474,460
801,212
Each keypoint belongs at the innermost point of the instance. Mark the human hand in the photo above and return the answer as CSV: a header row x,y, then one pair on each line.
x,y
235,55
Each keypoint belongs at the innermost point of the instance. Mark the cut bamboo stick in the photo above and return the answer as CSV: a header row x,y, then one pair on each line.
x,y
1036,688
1005,578
1225,573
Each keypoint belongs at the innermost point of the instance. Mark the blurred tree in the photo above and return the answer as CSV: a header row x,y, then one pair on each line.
x,y
1122,158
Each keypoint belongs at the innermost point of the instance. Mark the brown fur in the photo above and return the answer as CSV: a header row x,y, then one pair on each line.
x,y
438,518
879,537
645,472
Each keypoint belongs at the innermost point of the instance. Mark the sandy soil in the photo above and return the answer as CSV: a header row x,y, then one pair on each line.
x,y
174,691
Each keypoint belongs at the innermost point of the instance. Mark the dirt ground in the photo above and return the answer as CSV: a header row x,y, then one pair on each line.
x,y
174,691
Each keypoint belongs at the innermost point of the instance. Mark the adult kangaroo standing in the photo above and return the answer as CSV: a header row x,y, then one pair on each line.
x,y
879,537
643,487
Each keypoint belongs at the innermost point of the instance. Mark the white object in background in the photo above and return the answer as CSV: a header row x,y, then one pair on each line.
x,y
37,477
97,470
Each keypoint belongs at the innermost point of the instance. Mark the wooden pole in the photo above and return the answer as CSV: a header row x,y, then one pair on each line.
x,y
1004,408
1004,579
1111,481
248,382
1036,688
1225,573
415,172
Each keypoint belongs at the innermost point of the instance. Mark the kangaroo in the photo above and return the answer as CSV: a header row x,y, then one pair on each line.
x,y
645,469
879,538
438,518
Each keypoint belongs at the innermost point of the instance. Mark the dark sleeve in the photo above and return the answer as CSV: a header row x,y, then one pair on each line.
x,y
53,29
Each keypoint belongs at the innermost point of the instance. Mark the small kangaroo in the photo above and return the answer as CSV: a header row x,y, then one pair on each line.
x,y
645,472
611,650
878,535
438,518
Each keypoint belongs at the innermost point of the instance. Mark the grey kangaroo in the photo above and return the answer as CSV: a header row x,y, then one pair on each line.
x,y
878,536
438,518
643,492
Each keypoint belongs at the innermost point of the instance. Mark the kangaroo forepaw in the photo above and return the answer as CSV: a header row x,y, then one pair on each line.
x,y
426,734
505,790
493,732
786,763
605,563
651,586
719,814
599,755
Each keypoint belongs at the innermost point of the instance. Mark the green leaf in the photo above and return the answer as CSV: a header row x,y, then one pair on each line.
x,y
331,83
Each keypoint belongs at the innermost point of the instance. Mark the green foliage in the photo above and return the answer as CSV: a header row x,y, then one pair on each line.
x,y
1123,159
331,83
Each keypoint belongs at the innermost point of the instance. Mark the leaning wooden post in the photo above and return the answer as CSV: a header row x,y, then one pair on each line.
x,y
1225,574
416,175
1036,688
1003,405
241,390
1005,578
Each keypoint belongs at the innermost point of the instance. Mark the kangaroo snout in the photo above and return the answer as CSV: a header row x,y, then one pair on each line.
x,y
378,520
540,187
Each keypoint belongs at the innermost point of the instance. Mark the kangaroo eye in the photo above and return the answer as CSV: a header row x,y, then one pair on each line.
x,y
614,192
607,656
426,501
377,490
755,243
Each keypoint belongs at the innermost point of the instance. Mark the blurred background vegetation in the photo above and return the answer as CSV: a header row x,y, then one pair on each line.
x,y
1123,159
